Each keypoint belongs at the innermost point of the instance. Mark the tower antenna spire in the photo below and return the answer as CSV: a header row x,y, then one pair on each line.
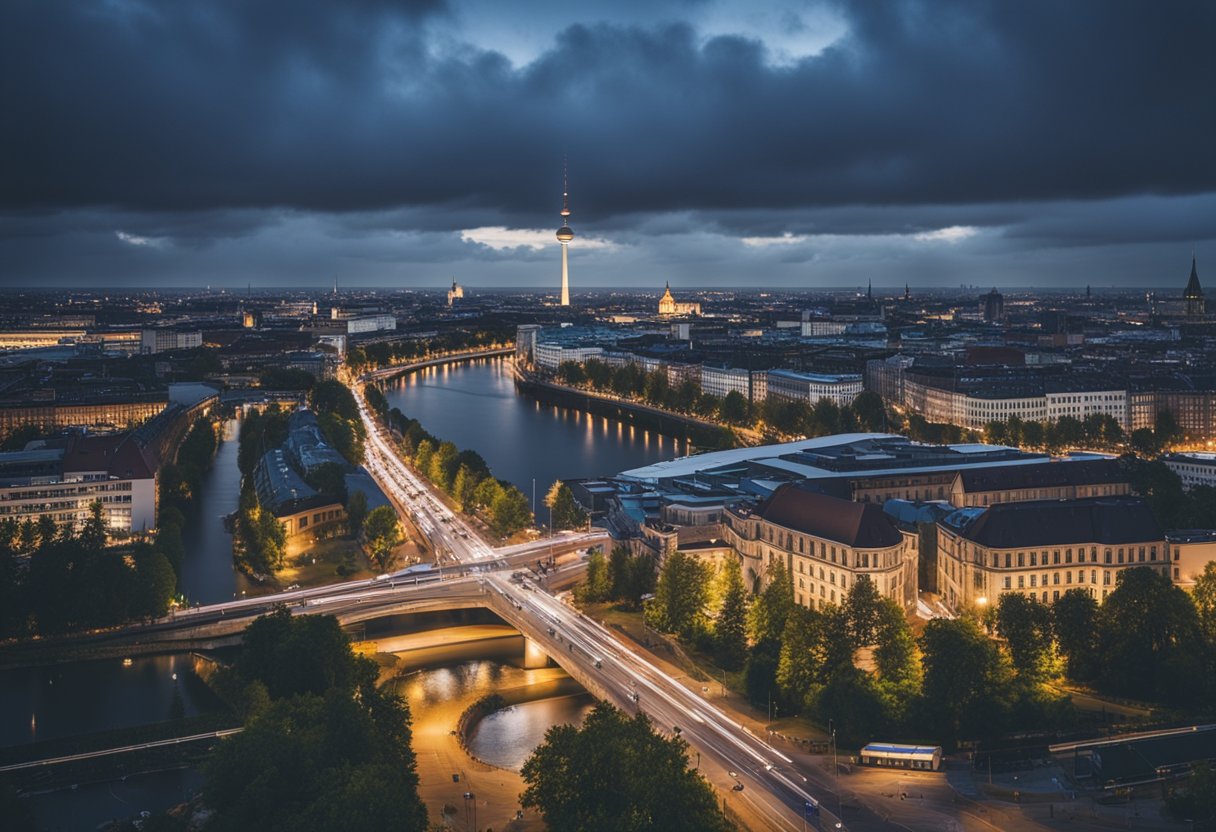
x,y
565,235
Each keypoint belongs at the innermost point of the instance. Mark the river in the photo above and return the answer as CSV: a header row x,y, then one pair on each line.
x,y
475,406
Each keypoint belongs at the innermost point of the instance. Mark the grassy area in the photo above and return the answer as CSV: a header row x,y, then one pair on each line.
x,y
326,562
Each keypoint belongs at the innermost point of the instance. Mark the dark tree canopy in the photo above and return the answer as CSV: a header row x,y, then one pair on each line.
x,y
617,773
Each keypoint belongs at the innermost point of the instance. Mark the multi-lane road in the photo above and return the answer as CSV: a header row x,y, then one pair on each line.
x,y
761,777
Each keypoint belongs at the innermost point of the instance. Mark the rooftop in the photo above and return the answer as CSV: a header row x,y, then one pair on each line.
x,y
856,525
1104,520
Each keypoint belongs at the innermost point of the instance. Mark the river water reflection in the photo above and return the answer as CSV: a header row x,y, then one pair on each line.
x,y
475,406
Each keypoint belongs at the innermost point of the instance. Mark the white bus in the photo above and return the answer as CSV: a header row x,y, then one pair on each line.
x,y
890,755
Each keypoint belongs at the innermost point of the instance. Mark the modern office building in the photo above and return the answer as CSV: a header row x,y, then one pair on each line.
x,y
811,387
166,339
64,477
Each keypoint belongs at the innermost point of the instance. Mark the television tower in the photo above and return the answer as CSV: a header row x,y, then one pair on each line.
x,y
564,236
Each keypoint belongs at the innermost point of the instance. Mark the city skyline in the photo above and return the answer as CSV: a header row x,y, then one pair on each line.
x,y
789,146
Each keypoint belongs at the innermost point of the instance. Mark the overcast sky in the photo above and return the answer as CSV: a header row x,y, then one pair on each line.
x,y
407,143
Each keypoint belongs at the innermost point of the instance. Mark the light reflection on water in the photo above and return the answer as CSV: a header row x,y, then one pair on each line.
x,y
507,738
504,739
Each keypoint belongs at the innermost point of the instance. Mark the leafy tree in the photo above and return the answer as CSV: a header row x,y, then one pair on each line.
x,y
571,372
964,677
895,654
441,470
1204,595
509,513
464,487
735,409
486,492
346,435
1167,430
1148,630
356,511
564,512
1144,442
854,703
27,536
680,595
730,629
870,412
1025,624
597,584
760,673
863,609
803,656
331,752
93,534
155,582
422,457
771,609
617,773
1074,621
382,534
294,655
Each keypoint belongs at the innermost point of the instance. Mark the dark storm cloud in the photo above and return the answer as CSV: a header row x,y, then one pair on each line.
x,y
322,106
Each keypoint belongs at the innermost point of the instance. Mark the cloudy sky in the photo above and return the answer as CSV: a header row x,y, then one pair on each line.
x,y
407,143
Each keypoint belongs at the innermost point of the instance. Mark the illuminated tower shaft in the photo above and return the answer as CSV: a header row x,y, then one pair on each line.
x,y
565,275
564,236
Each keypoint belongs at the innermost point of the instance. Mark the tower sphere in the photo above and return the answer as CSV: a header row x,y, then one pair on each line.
x,y
564,234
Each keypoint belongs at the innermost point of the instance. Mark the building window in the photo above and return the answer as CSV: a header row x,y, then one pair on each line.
x,y
1007,582
1033,581
1021,582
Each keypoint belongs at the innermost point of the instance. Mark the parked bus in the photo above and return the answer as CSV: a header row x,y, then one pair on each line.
x,y
890,755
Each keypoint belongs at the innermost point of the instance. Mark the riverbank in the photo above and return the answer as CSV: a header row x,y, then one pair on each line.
x,y
477,405
704,434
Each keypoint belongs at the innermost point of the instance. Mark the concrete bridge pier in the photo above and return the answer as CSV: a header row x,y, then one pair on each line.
x,y
534,655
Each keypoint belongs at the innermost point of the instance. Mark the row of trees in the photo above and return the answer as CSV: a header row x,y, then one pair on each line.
x,y
866,412
179,483
857,663
260,539
73,581
1097,430
462,475
387,353
1173,506
620,577
1149,639
338,414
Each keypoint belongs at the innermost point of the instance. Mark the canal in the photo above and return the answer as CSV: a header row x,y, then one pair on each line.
x,y
208,574
475,406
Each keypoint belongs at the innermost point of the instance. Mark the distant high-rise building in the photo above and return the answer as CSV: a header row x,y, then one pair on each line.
x,y
1193,295
564,236
455,293
992,305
